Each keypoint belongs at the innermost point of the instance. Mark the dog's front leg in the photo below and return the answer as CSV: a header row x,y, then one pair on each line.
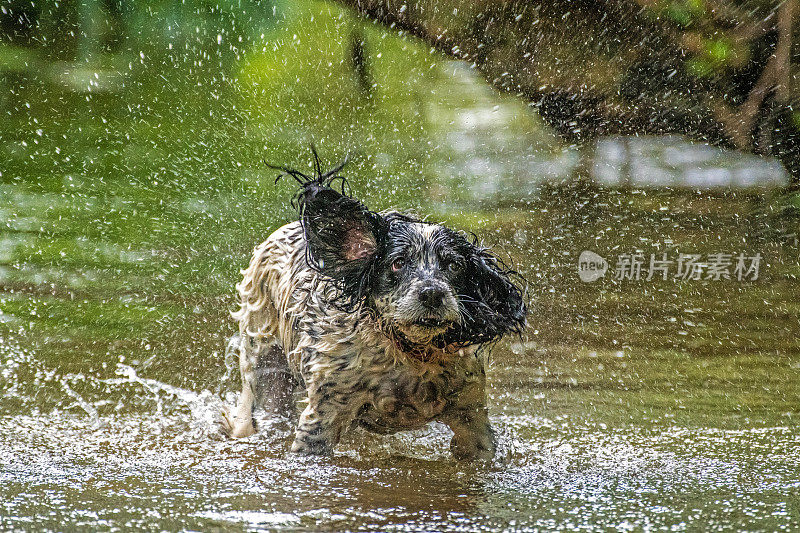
x,y
473,437
328,413
466,416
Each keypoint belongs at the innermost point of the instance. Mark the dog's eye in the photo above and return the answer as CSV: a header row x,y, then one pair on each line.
x,y
454,266
397,264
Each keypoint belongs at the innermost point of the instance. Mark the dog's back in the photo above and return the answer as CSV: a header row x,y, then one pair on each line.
x,y
275,287
283,299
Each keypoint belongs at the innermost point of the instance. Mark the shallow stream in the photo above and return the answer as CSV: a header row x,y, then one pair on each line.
x,y
630,404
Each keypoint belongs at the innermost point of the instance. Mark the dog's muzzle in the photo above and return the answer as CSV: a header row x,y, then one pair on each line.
x,y
429,311
432,297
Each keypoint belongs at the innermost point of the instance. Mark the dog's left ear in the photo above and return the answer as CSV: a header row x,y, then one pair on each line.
x,y
494,304
343,238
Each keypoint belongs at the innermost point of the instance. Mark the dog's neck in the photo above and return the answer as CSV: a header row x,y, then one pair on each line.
x,y
432,352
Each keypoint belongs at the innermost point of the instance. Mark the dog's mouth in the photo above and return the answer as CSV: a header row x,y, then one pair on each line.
x,y
432,323
423,330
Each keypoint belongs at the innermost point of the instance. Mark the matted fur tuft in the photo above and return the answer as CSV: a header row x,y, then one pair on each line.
x,y
343,236
493,305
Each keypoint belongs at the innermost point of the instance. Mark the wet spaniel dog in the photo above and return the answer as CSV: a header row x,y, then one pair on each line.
x,y
381,317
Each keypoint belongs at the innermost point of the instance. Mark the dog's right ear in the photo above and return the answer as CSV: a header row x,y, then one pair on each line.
x,y
344,238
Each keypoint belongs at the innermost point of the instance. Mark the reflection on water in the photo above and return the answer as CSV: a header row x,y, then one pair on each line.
x,y
629,404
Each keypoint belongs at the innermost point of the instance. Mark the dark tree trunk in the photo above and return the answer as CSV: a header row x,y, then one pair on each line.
x,y
715,72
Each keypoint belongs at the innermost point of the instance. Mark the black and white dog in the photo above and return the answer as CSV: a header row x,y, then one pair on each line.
x,y
380,316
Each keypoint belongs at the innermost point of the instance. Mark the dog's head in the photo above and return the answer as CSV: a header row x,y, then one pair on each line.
x,y
425,282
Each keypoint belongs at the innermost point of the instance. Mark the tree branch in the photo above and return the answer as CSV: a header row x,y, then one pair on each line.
x,y
599,67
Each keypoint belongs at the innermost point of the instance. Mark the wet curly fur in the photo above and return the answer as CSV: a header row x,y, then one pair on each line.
x,y
381,317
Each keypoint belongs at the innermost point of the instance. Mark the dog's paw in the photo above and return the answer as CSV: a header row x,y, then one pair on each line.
x,y
480,448
234,428
304,447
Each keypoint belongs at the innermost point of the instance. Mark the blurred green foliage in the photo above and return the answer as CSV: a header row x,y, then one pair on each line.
x,y
154,182
685,12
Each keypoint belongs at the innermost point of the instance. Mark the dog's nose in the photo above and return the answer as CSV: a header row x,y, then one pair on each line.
x,y
431,297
